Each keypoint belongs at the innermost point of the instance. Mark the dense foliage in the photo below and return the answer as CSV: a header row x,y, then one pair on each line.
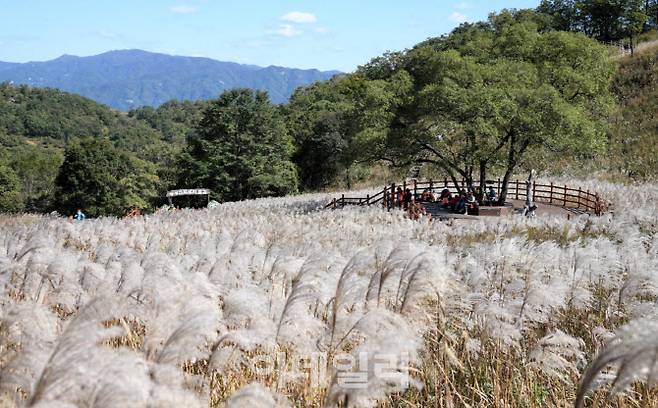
x,y
605,20
241,149
50,115
36,125
102,180
334,124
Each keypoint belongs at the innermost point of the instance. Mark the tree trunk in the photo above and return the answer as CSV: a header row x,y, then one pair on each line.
x,y
508,172
512,160
505,186
529,188
483,182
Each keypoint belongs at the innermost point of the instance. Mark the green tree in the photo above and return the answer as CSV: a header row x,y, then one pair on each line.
x,y
316,118
141,185
506,88
633,20
336,123
102,180
36,167
563,14
605,20
241,149
10,191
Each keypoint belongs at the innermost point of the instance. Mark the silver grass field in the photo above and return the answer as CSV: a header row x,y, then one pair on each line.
x,y
276,303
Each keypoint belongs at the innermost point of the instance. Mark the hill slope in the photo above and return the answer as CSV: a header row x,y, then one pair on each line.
x,y
635,124
132,78
50,116
36,124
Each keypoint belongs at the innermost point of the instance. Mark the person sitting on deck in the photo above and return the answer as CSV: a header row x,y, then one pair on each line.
x,y
445,198
491,195
428,196
454,202
460,206
472,207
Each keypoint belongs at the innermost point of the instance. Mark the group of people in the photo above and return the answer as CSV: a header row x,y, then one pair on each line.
x,y
460,203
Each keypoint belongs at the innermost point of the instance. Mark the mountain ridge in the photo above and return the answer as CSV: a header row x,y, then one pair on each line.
x,y
129,79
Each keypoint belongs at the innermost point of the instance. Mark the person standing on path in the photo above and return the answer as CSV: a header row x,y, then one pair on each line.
x,y
79,215
407,198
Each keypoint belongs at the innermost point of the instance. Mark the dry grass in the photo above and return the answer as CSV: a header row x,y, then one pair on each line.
x,y
185,306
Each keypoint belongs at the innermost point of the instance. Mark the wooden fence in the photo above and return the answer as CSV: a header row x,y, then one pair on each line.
x,y
553,194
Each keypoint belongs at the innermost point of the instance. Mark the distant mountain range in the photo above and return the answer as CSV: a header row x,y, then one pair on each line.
x,y
130,79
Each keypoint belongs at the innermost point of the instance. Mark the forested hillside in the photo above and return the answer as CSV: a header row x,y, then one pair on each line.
x,y
53,116
36,125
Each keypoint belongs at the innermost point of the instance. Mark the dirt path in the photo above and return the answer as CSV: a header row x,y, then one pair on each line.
x,y
548,210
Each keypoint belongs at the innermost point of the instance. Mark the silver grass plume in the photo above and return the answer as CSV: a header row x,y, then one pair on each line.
x,y
631,356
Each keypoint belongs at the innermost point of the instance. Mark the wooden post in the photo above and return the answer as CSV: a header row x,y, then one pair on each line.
x,y
565,196
550,199
498,187
404,186
534,189
367,199
431,186
588,201
445,182
342,200
393,196
517,189
415,190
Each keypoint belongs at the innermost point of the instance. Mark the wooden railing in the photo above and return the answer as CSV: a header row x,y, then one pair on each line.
x,y
552,194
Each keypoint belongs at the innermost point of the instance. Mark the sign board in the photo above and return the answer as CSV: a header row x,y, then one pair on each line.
x,y
187,192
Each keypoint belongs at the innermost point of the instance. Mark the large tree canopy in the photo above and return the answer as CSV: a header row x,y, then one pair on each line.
x,y
102,180
605,20
334,123
489,93
241,149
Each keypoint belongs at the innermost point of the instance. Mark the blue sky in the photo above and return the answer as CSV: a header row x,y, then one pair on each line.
x,y
327,34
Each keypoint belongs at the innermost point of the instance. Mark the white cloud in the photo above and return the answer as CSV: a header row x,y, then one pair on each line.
x,y
458,17
183,9
299,17
461,6
287,30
